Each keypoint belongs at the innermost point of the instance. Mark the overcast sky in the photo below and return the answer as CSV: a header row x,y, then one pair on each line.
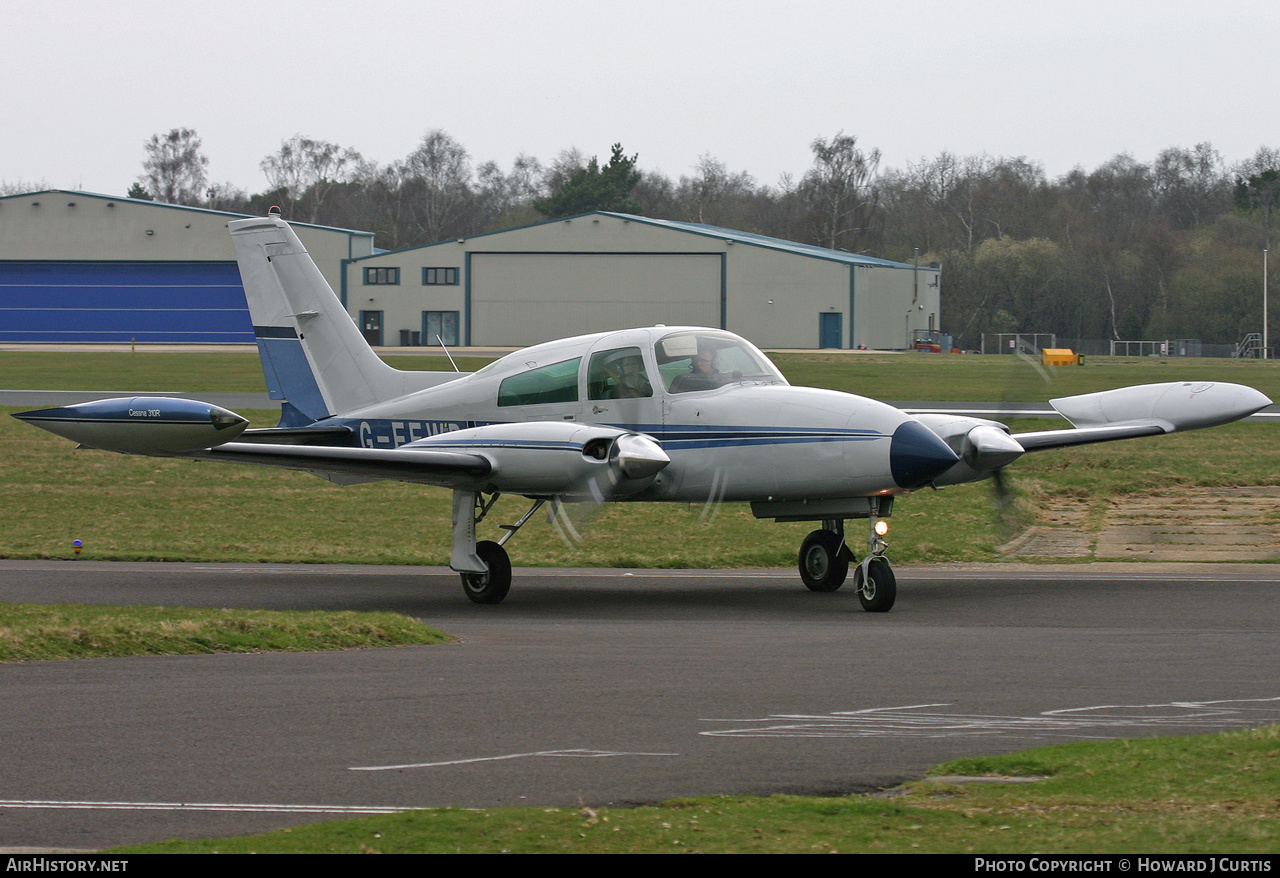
x,y
750,82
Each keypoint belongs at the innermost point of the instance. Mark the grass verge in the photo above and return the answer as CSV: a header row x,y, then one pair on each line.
x,y
1208,794
30,632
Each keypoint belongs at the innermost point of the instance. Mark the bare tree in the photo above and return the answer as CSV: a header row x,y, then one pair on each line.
x,y
19,187
713,195
840,191
307,170
569,162
174,169
1265,159
506,199
1191,185
436,178
228,197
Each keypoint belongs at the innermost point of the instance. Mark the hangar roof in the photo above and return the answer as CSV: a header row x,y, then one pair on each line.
x,y
716,232
760,241
78,193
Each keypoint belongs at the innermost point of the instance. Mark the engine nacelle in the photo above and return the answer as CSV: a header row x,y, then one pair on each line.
x,y
555,458
983,446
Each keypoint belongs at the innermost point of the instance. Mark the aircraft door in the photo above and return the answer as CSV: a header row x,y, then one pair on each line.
x,y
620,390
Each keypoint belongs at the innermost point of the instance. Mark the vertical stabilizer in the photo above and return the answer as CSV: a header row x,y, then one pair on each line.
x,y
313,355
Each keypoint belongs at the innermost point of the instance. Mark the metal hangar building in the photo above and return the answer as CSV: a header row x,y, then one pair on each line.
x,y
600,271
83,267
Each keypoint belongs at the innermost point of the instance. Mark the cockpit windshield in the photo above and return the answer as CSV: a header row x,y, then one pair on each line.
x,y
705,359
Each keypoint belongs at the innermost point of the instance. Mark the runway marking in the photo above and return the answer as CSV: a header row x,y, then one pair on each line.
x,y
919,721
201,806
579,754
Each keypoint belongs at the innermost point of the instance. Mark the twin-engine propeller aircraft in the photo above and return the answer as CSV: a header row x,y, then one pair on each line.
x,y
663,413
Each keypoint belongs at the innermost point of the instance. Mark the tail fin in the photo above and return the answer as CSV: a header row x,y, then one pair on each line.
x,y
313,355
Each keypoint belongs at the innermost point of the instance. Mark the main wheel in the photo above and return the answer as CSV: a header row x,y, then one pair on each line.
x,y
824,561
492,586
880,590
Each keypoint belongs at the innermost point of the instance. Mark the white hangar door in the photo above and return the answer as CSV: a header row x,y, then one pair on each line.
x,y
527,298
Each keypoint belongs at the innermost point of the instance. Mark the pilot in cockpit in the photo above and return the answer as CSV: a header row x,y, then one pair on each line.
x,y
702,375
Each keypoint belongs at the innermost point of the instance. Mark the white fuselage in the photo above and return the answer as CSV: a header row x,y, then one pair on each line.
x,y
753,437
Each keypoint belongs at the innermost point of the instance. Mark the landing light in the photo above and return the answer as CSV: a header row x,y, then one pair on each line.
x,y
882,527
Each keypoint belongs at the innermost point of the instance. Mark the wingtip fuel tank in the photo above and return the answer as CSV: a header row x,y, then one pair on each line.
x,y
141,424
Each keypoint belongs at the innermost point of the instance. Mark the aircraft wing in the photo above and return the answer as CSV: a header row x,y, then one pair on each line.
x,y
1127,413
568,460
446,469
1042,440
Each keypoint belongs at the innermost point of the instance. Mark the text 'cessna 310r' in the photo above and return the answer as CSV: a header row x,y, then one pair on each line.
x,y
662,413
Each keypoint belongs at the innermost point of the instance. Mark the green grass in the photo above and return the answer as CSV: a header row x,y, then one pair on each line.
x,y
1209,794
1007,378
880,376
31,632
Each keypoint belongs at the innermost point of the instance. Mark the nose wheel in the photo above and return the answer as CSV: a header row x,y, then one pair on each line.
x,y
825,560
877,586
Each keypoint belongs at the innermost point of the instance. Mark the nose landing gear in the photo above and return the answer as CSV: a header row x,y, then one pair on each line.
x,y
825,560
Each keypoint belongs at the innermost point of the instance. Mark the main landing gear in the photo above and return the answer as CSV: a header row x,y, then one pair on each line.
x,y
825,559
485,566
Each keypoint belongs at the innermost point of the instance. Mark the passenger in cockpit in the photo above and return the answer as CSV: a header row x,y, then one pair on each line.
x,y
630,381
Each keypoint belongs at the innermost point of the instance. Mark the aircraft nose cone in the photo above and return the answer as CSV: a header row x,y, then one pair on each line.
x,y
917,456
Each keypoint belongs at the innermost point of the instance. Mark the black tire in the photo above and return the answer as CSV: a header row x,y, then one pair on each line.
x,y
490,587
878,594
824,561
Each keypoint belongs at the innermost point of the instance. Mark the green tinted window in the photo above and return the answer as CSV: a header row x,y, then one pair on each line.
x,y
555,383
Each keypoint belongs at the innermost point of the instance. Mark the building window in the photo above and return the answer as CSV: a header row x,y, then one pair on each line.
x,y
440,327
433,277
382,275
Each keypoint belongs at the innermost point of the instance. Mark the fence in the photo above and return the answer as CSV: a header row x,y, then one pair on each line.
x,y
1033,342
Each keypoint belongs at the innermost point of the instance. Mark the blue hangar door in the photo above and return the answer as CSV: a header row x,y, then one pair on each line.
x,y
91,302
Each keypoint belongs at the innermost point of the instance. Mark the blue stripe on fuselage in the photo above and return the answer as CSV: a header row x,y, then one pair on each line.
x,y
388,433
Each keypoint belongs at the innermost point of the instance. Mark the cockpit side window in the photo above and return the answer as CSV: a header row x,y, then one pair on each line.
x,y
618,374
690,361
557,382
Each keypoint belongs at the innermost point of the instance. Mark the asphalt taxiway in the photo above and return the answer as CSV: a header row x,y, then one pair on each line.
x,y
608,687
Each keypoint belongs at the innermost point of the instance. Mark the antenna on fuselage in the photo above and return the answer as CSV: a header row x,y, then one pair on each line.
x,y
447,354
